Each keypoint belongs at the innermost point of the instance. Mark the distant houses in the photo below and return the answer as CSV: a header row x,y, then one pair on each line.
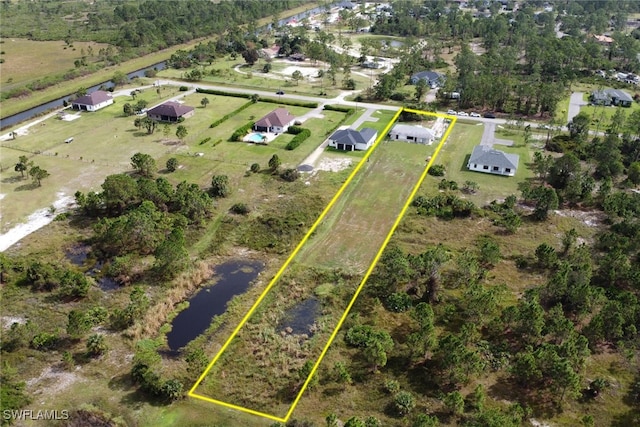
x,y
352,140
432,78
488,160
277,121
93,101
611,97
171,112
409,133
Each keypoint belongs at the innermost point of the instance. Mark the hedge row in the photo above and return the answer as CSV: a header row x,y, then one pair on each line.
x,y
231,114
204,141
223,93
289,102
341,109
241,131
248,96
298,139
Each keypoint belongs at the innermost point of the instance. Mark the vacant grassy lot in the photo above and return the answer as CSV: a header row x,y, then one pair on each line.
x,y
601,115
365,212
104,142
27,60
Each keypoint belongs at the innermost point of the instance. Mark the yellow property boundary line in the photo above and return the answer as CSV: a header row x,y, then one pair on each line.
x,y
284,266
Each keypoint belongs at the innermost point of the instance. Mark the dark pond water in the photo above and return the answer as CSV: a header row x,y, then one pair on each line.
x,y
233,278
301,317
56,103
77,254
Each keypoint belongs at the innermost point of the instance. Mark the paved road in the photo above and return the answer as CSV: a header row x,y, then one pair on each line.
x,y
574,105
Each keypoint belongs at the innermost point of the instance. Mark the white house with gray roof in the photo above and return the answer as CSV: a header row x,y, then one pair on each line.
x,y
417,134
611,97
487,160
351,139
432,78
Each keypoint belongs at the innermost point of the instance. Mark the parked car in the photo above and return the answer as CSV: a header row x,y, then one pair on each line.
x,y
463,113
280,92
452,112
474,114
489,116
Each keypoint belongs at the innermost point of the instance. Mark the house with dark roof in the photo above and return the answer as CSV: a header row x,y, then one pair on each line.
x,y
611,97
93,101
170,111
351,139
346,5
487,160
409,133
277,121
433,79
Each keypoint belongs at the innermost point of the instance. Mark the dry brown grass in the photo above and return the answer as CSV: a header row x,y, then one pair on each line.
x,y
180,289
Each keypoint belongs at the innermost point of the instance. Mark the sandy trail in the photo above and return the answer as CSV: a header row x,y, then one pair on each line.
x,y
34,222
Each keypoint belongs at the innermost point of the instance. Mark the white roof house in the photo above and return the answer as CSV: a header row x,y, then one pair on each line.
x,y
487,160
417,134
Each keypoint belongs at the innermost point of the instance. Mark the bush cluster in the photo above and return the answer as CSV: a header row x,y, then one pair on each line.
x,y
444,206
241,132
298,139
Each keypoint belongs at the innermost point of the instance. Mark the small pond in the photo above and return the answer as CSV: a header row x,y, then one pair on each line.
x,y
301,317
233,278
77,254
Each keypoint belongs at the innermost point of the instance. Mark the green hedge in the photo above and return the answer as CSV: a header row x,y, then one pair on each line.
x,y
289,102
231,114
298,139
241,131
294,130
223,93
340,108
248,96
204,141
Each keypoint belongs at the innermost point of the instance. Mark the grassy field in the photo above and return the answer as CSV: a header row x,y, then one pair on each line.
x,y
601,115
368,208
277,79
104,142
14,106
25,60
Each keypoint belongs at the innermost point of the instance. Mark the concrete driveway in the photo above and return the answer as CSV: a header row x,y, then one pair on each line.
x,y
574,105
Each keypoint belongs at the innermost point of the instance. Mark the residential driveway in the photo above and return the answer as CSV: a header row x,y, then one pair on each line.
x,y
574,105
365,117
489,137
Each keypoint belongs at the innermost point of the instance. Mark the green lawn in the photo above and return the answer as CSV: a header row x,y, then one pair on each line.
x,y
104,142
454,156
253,77
601,115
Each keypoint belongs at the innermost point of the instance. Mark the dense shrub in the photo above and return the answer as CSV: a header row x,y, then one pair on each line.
x,y
294,130
241,132
204,141
255,168
437,170
444,206
398,302
240,209
45,341
290,175
298,139
183,88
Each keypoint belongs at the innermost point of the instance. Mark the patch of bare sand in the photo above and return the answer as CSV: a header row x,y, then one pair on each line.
x,y
334,164
590,218
52,380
